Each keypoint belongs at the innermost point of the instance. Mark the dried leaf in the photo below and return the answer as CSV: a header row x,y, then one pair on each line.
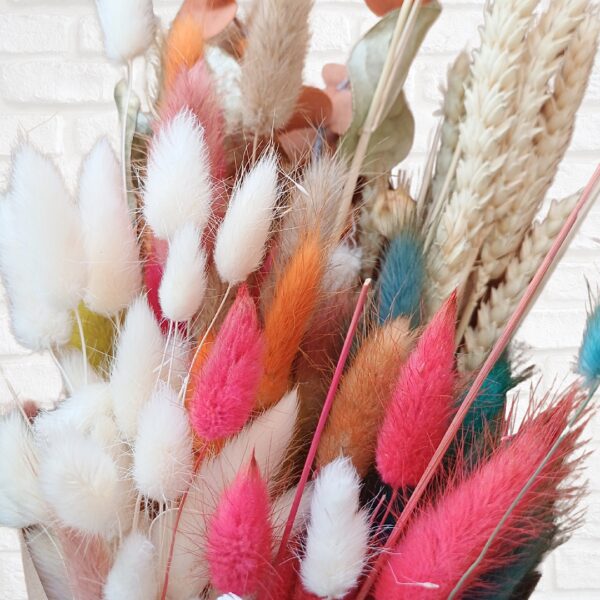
x,y
392,141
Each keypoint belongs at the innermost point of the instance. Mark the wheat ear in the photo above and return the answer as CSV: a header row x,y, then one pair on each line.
x,y
512,207
560,109
493,314
453,111
489,116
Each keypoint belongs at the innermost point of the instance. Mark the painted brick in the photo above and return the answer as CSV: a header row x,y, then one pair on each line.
x,y
44,130
12,584
577,568
56,81
35,33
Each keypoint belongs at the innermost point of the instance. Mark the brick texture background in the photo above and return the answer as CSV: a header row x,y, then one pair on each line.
x,y
56,87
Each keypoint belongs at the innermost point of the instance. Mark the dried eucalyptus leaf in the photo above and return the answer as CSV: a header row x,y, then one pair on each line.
x,y
391,142
393,139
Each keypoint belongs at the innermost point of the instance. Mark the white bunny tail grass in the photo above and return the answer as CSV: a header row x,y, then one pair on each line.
x,y
81,482
80,411
343,268
268,438
178,187
490,104
184,281
133,575
242,236
136,366
162,458
271,77
41,251
45,551
338,533
73,371
21,501
111,250
493,314
128,27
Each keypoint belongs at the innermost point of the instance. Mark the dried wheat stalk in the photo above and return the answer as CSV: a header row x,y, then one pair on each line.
x,y
560,110
495,312
453,111
490,109
512,207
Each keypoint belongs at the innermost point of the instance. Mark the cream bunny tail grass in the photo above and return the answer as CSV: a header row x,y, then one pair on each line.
x,y
271,77
489,116
493,314
453,112
512,207
315,205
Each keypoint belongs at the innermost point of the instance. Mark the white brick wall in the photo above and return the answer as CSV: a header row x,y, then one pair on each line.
x,y
56,86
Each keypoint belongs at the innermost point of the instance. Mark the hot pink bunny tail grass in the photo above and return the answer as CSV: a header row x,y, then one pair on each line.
x,y
421,405
239,542
446,538
226,389
156,253
193,89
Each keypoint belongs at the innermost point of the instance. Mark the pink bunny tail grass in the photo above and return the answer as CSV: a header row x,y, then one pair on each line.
x,y
156,254
421,405
240,538
282,581
226,389
447,537
193,89
87,560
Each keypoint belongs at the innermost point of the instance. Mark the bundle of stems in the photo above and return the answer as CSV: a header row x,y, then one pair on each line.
x,y
244,414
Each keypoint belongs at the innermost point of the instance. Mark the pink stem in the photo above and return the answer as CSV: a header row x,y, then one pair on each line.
x,y
388,509
323,419
499,347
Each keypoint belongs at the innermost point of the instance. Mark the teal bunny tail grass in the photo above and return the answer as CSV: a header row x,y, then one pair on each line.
x,y
491,400
589,353
402,276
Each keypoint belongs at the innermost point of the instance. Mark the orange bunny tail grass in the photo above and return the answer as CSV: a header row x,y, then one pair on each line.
x,y
288,317
363,396
184,47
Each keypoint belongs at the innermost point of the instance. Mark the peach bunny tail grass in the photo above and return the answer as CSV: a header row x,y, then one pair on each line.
x,y
184,47
363,396
240,535
296,293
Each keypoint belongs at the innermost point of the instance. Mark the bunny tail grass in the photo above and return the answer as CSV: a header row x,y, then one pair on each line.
x,y
240,535
364,394
421,405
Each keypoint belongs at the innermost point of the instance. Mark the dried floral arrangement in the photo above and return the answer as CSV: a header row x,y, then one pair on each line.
x,y
284,375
